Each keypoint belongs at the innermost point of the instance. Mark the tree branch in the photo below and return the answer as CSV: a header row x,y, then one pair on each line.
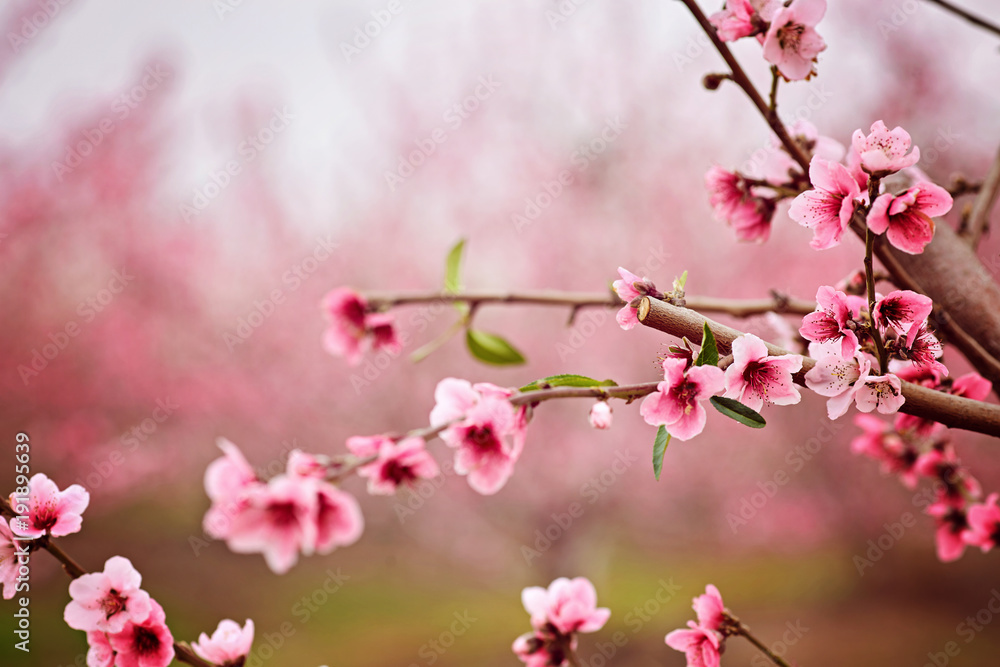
x,y
971,18
950,410
979,219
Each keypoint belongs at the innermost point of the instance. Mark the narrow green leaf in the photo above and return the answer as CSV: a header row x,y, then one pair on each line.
x,y
709,355
736,410
492,349
659,449
453,269
567,380
679,283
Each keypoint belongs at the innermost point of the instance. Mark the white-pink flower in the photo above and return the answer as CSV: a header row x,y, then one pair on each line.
x,y
879,392
742,18
9,548
99,651
228,646
676,403
754,378
338,518
399,464
106,601
488,432
792,42
49,510
630,288
831,321
570,605
228,476
600,415
147,643
883,151
834,376
828,208
906,219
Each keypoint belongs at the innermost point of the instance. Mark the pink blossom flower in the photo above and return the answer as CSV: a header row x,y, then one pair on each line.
x,y
836,378
906,218
676,403
600,415
570,605
922,348
878,392
701,646
709,608
630,289
352,326
900,309
399,463
884,151
144,644
228,646
99,653
228,476
488,432
734,201
106,601
941,464
9,547
755,378
743,18
366,446
952,524
831,320
301,464
49,510
278,520
984,524
828,208
338,519
536,649
792,42
971,385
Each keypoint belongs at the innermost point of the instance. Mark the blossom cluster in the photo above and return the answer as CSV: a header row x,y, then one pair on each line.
x,y
703,642
558,614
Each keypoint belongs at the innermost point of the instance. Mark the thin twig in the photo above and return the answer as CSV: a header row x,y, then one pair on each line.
x,y
971,18
979,219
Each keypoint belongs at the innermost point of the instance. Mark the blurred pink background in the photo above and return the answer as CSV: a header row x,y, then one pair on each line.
x,y
131,243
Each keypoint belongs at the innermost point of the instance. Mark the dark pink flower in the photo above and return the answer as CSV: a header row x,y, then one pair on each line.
x,y
743,18
338,519
906,218
734,201
570,605
952,524
99,653
107,601
971,385
701,646
900,309
828,208
600,415
630,288
228,646
538,649
984,524
922,348
144,644
955,484
755,378
278,519
709,608
676,403
49,510
9,546
398,464
352,327
831,321
884,151
792,42
488,432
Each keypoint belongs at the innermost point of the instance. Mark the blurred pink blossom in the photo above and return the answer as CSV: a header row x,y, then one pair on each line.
x,y
570,605
228,646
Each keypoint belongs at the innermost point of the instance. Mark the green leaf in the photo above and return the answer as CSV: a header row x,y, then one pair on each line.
x,y
679,283
453,269
659,449
566,380
492,349
709,355
736,410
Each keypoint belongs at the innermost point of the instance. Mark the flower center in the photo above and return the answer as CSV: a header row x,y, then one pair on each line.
x,y
482,437
112,603
790,35
759,376
398,472
282,514
146,642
